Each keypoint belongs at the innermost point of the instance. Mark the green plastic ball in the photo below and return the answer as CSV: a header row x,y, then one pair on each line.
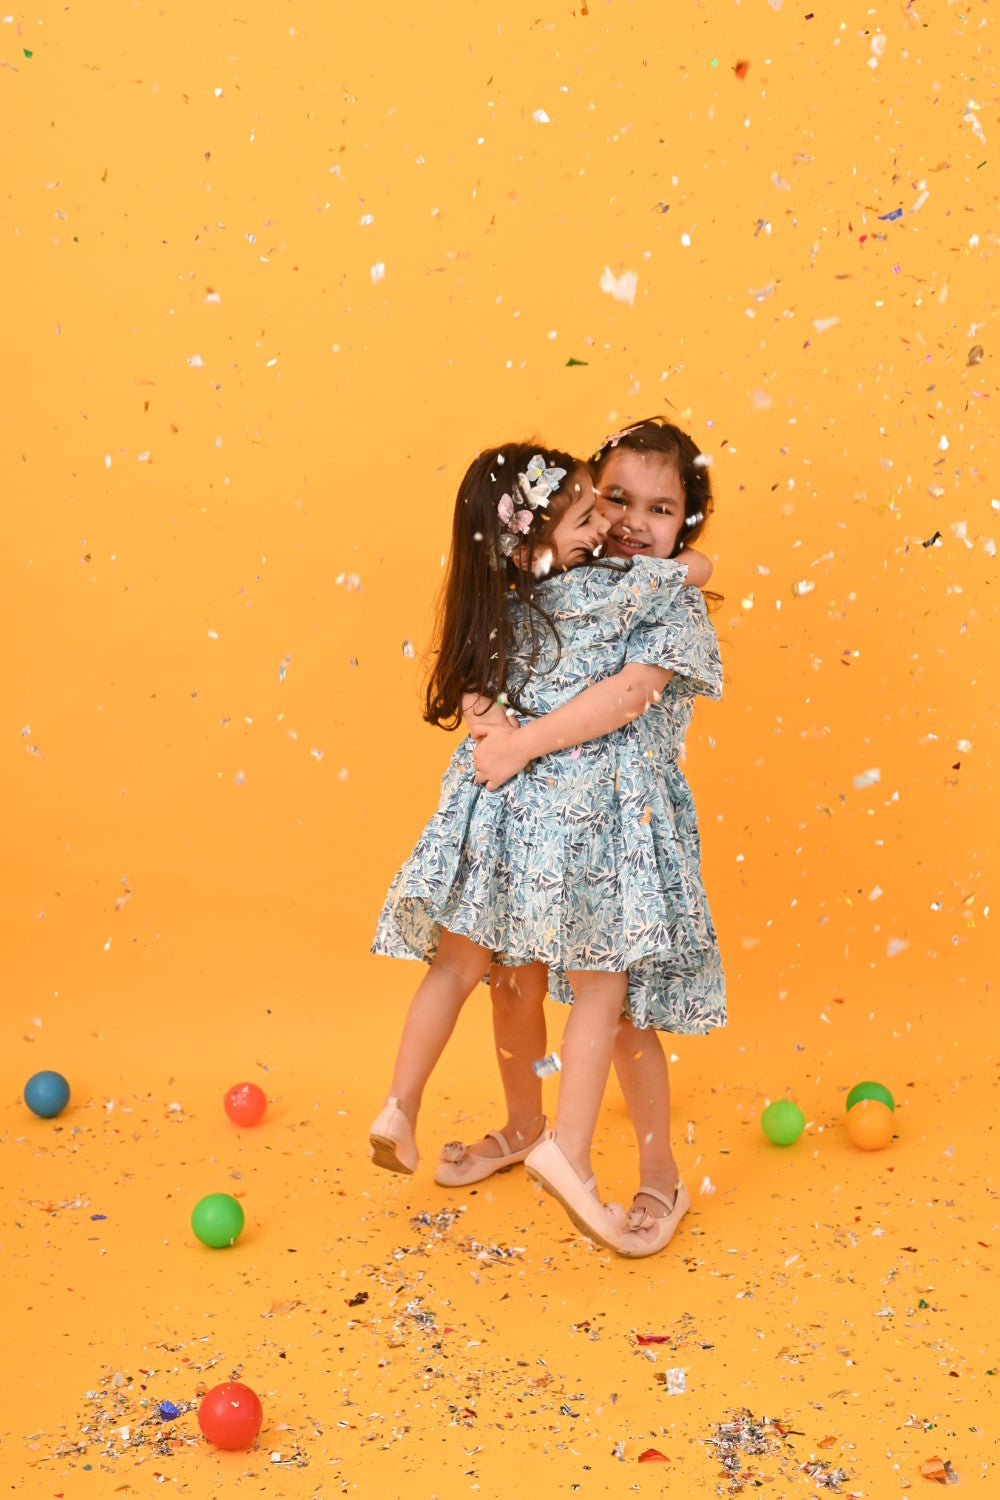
x,y
870,1091
217,1220
782,1122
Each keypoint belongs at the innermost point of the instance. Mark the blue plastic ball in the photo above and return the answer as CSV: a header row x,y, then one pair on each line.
x,y
46,1094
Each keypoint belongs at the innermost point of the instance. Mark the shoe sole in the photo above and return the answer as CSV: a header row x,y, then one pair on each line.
x,y
384,1155
472,1181
576,1218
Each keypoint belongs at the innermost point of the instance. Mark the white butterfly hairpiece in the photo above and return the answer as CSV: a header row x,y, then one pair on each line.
x,y
535,486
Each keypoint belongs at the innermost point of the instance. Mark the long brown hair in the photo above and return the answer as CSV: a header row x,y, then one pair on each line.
x,y
474,628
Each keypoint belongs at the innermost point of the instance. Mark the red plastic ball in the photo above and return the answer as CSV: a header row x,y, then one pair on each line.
x,y
245,1104
230,1415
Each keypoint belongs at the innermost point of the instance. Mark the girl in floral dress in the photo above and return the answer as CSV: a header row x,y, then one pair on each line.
x,y
654,489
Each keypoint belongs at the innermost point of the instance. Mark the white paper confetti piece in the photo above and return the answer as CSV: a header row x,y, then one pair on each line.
x,y
970,118
623,288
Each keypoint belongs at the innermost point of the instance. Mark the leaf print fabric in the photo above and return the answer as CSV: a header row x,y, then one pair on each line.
x,y
589,859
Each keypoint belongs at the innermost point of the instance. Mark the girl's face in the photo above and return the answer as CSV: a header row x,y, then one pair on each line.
x,y
642,496
580,528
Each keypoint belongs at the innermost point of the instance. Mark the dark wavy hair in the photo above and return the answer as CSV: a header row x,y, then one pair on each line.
x,y
660,436
474,628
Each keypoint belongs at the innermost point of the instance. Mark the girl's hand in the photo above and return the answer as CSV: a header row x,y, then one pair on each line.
x,y
498,755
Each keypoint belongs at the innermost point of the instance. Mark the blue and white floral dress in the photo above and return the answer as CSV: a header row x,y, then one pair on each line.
x,y
685,991
588,859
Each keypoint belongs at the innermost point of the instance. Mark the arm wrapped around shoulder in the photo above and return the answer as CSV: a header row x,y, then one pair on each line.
x,y
675,632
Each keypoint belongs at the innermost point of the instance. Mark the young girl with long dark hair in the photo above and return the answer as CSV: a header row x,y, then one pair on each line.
x,y
654,489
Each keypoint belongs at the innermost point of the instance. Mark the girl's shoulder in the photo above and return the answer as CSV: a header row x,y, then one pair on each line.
x,y
611,586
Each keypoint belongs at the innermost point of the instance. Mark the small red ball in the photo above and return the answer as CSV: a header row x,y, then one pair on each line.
x,y
245,1103
230,1415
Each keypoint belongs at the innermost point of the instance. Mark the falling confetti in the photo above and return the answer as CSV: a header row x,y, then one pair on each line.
x,y
623,288
546,1066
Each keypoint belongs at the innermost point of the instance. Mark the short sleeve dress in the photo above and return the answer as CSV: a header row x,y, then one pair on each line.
x,y
683,990
576,862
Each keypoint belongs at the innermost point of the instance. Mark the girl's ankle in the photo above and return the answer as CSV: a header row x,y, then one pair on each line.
x,y
524,1133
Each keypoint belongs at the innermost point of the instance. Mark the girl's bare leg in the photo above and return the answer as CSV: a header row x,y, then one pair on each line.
x,y
519,1035
641,1065
587,1046
455,970
561,1162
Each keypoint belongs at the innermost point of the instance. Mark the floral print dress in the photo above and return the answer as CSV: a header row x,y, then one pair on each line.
x,y
683,991
589,858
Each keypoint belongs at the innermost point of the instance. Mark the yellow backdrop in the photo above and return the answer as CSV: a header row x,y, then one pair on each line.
x,y
272,278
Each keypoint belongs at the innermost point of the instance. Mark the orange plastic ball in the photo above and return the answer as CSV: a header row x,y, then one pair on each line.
x,y
245,1103
869,1124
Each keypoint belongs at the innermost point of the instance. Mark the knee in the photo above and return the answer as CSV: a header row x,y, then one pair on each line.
x,y
513,1000
521,989
461,973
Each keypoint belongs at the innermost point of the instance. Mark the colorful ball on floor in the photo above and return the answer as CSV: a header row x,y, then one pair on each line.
x,y
870,1090
46,1094
782,1122
217,1220
869,1124
245,1103
230,1415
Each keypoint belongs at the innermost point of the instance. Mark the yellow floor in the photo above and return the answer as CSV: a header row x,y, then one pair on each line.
x,y
410,1340
273,277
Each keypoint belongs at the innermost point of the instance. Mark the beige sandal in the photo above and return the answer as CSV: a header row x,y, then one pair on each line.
x,y
548,1165
459,1166
392,1140
644,1233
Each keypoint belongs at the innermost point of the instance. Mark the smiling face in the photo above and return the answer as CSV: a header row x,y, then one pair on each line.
x,y
580,527
642,497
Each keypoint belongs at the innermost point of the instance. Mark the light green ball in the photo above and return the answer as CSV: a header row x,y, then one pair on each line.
x,y
783,1122
217,1220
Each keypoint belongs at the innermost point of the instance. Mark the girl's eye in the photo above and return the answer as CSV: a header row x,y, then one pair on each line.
x,y
614,497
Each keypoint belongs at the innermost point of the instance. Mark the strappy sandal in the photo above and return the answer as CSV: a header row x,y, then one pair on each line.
x,y
459,1166
644,1234
548,1165
392,1141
